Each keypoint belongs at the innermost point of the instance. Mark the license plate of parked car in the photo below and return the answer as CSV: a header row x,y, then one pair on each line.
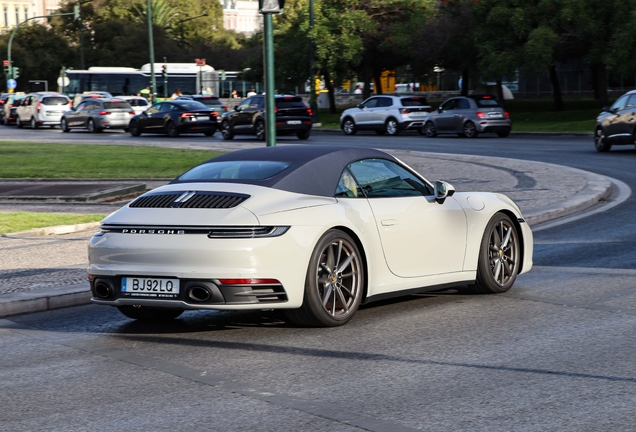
x,y
494,115
150,287
293,121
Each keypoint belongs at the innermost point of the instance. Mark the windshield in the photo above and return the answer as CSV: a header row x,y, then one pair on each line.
x,y
117,105
54,101
487,103
192,106
235,170
413,101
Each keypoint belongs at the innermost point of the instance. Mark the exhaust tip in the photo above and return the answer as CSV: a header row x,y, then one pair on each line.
x,y
199,293
104,289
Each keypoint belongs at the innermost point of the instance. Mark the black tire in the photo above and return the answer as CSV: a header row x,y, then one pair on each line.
x,y
334,285
226,130
5,120
64,126
19,123
134,129
208,133
392,127
171,130
34,124
470,130
600,141
429,129
499,256
303,135
91,126
146,313
503,133
348,126
259,128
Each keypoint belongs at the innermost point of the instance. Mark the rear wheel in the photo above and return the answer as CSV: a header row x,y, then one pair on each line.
x,y
134,128
349,126
145,313
303,135
64,126
429,129
499,256
259,128
171,130
19,123
92,128
334,283
600,141
226,130
470,130
391,127
34,123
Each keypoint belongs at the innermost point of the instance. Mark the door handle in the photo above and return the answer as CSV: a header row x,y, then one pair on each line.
x,y
389,222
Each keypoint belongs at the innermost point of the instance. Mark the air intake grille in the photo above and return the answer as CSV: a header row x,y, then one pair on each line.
x,y
190,199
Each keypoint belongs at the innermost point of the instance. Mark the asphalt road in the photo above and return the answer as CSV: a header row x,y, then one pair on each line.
x,y
553,354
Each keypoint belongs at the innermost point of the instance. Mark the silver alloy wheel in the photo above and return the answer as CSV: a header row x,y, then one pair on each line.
x,y
600,141
64,126
34,124
470,130
391,127
90,125
226,130
429,129
338,279
260,130
349,127
503,252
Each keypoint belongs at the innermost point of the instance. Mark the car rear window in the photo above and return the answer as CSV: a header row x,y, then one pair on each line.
x,y
210,101
117,105
413,101
55,100
487,102
192,106
235,170
138,102
290,102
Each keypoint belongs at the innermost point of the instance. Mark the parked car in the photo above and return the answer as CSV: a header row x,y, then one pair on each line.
x,y
95,115
616,125
10,107
139,104
3,100
80,97
293,117
42,109
386,114
314,231
468,117
174,118
212,102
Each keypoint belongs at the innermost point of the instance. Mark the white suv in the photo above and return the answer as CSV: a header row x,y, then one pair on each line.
x,y
386,114
42,108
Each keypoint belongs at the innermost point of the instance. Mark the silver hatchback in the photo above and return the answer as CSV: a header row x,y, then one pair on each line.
x,y
98,114
468,117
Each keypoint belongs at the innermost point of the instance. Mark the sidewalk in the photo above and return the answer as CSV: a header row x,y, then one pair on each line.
x,y
42,272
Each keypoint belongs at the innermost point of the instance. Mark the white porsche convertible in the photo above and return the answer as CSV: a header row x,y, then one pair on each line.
x,y
314,230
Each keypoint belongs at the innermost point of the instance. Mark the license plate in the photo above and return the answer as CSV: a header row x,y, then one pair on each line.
x,y
55,113
495,115
294,122
150,287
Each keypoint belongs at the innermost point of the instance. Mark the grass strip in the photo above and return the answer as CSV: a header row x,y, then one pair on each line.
x,y
22,221
46,160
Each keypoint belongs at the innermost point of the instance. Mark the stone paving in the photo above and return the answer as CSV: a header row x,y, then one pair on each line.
x,y
35,264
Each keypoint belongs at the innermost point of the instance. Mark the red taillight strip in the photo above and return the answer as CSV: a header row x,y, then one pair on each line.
x,y
249,281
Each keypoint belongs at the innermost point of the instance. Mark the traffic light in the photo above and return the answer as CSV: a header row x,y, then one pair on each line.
x,y
164,71
76,12
7,68
16,73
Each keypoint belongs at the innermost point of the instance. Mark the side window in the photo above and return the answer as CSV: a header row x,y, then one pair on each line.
x,y
381,178
81,106
257,102
165,107
153,109
246,103
631,103
348,187
450,105
620,103
371,103
464,104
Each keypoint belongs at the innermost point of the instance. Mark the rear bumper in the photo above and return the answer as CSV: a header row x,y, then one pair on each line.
x,y
493,125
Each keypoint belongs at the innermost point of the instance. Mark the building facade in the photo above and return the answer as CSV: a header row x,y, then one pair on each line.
x,y
242,16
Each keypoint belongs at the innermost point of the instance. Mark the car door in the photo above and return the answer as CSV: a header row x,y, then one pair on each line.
x,y
76,117
23,110
447,116
612,123
154,117
365,113
463,111
380,112
420,237
240,119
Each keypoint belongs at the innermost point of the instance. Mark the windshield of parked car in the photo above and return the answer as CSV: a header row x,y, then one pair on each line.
x,y
235,170
487,103
117,105
56,100
413,101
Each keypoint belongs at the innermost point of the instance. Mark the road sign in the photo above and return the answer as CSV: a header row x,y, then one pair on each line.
x,y
11,84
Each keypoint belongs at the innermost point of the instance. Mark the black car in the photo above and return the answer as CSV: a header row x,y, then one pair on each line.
x,y
293,117
174,118
616,125
211,102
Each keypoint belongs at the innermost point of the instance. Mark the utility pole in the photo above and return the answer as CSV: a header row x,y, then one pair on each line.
x,y
151,49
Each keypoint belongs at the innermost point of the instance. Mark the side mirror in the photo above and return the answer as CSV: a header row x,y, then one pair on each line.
x,y
442,191
360,106
236,108
605,109
439,109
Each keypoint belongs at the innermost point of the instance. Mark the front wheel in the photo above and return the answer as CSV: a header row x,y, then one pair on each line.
x,y
64,126
303,135
146,313
600,141
259,127
391,127
499,256
349,126
19,123
134,129
171,130
334,283
34,123
470,130
429,129
226,130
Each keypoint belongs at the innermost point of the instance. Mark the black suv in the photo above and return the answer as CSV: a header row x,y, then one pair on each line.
x,y
616,125
293,117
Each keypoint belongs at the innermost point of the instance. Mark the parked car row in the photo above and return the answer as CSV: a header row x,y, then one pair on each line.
x,y
391,114
97,111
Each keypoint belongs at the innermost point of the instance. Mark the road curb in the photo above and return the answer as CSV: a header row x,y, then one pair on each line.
x,y
39,300
58,229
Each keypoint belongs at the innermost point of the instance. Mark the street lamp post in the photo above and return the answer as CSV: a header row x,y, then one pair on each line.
x,y
268,8
180,23
151,49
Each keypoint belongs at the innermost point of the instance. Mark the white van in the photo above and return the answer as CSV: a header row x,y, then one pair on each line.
x,y
42,109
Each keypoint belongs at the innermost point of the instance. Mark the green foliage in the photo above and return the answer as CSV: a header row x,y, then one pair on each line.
x,y
22,221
